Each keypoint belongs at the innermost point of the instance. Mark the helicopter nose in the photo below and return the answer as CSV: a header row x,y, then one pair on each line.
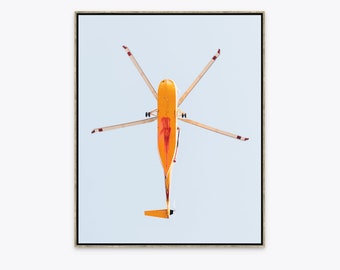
x,y
168,82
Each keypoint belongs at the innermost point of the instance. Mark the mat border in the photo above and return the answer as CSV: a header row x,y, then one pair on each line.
x,y
168,245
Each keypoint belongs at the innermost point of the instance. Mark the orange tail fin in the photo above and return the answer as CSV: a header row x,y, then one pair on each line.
x,y
163,213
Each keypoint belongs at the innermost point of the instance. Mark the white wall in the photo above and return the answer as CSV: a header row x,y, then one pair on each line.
x,y
302,140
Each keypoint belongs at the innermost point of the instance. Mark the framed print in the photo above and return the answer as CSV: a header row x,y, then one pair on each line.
x,y
169,129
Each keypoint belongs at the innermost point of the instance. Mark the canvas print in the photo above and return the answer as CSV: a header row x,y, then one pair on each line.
x,y
169,128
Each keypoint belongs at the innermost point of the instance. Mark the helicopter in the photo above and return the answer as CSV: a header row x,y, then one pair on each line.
x,y
167,114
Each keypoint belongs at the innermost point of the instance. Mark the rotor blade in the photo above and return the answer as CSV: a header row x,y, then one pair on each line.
x,y
214,129
187,92
124,125
134,61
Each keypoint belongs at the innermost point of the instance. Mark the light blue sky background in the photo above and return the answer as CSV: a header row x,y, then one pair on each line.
x,y
216,182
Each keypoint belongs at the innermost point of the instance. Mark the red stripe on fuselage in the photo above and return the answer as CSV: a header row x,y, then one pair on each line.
x,y
166,131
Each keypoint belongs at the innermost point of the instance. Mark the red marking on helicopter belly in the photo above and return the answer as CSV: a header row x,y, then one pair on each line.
x,y
165,131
